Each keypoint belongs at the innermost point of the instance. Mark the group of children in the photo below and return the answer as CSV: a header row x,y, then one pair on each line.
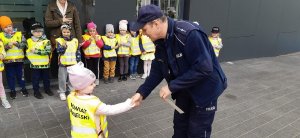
x,y
127,47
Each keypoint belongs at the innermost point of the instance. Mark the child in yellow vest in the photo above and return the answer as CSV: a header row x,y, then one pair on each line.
x,y
14,44
215,40
4,101
38,53
68,54
87,112
92,44
124,49
109,54
135,52
148,50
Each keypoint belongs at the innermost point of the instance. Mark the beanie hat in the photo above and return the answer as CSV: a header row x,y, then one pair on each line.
x,y
91,25
80,77
36,25
109,28
66,26
215,30
123,25
5,21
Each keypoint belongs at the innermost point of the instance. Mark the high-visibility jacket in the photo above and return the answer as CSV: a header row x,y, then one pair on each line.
x,y
14,52
69,57
82,116
36,59
2,51
123,50
135,47
109,42
148,45
92,49
215,42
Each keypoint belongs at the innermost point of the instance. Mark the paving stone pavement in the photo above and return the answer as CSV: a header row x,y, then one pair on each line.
x,y
262,100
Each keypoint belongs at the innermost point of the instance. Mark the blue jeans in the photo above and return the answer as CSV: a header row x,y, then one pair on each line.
x,y
133,61
14,70
37,74
196,121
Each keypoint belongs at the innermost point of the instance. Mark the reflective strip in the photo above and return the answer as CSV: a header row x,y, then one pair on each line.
x,y
84,130
92,50
149,46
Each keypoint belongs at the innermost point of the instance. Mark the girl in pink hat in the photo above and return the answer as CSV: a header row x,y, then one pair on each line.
x,y
88,112
92,44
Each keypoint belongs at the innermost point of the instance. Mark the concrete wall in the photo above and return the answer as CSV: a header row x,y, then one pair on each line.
x,y
251,28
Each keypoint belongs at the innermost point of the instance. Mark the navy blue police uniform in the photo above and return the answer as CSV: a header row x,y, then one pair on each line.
x,y
186,60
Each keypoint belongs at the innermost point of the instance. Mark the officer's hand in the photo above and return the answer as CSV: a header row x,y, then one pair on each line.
x,y
136,99
164,92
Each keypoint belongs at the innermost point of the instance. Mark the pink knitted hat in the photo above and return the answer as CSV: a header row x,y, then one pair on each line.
x,y
91,25
80,77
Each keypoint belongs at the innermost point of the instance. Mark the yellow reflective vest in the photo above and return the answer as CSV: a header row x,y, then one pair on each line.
x,y
82,114
215,42
69,57
123,50
36,59
109,42
92,49
135,47
2,51
148,45
14,52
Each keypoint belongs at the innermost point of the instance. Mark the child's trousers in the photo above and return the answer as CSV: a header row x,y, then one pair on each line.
x,y
109,69
14,70
36,75
63,80
2,91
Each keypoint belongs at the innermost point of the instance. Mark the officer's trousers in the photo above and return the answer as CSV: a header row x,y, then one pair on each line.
x,y
196,121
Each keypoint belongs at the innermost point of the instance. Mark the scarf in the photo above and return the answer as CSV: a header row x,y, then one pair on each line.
x,y
61,9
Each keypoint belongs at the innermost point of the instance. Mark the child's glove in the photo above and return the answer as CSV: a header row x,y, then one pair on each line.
x,y
129,102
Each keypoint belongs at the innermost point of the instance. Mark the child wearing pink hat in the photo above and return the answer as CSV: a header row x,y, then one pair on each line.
x,y
92,44
87,112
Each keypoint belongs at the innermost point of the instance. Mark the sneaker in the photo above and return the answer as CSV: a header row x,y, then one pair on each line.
x,y
132,77
24,92
13,94
137,75
120,78
5,103
97,82
38,95
144,76
49,92
111,80
124,78
62,96
106,81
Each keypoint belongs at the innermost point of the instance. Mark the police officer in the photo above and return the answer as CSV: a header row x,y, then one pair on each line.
x,y
186,59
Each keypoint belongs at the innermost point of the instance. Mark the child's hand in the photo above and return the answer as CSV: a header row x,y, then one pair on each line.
x,y
32,50
1,56
130,102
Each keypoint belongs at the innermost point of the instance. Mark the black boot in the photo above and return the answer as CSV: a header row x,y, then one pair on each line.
x,y
124,77
24,92
13,94
49,92
111,79
120,78
38,95
105,81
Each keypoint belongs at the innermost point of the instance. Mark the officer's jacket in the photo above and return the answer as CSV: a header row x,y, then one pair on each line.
x,y
186,59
